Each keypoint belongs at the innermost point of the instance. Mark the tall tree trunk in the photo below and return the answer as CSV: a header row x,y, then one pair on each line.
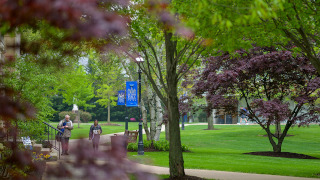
x,y
159,117
152,111
210,121
175,153
153,120
145,120
176,163
167,130
109,112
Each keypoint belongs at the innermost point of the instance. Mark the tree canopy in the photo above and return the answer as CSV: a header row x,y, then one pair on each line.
x,y
289,25
76,87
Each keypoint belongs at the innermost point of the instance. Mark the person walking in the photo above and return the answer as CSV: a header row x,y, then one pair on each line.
x,y
243,115
94,134
66,126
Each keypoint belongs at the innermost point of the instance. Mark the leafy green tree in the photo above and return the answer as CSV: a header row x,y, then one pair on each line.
x,y
58,106
291,25
75,87
296,25
179,55
35,84
109,79
108,98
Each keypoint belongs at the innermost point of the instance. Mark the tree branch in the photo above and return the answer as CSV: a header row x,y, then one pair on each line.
x,y
155,87
157,62
193,51
182,74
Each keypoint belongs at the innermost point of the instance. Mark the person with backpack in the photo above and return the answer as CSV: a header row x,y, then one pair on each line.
x,y
94,134
65,126
243,114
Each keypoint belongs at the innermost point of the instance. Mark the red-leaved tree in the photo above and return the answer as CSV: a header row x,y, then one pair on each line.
x,y
82,19
276,86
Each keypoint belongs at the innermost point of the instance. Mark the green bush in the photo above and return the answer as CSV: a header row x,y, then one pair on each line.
x,y
34,129
132,146
185,148
84,116
161,145
70,113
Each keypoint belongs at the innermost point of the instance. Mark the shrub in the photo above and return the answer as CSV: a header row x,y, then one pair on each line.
x,y
185,148
161,145
132,147
70,113
84,116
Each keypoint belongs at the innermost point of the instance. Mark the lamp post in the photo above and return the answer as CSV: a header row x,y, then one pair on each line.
x,y
183,115
182,122
126,119
140,143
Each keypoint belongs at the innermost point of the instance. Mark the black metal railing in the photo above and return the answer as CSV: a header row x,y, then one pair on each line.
x,y
51,133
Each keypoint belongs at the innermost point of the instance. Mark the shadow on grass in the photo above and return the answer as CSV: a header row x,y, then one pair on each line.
x,y
282,154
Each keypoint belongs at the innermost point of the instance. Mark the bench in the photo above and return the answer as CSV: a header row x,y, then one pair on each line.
x,y
131,136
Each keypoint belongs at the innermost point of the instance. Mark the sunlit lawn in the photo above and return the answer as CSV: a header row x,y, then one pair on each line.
x,y
83,131
223,150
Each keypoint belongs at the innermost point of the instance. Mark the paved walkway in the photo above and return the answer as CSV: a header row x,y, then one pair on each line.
x,y
208,174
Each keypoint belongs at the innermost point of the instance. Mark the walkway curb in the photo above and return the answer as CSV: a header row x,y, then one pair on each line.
x,y
222,175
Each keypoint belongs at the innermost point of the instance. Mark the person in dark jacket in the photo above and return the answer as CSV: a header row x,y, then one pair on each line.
x,y
94,134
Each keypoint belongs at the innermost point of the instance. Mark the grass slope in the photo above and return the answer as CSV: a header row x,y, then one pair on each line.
x,y
223,150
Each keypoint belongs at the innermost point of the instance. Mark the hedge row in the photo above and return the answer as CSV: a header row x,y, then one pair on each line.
x,y
161,145
84,116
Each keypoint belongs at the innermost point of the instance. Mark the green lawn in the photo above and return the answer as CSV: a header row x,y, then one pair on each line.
x,y
83,131
223,150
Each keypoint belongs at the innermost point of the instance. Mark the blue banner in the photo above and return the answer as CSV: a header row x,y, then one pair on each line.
x,y
121,98
132,93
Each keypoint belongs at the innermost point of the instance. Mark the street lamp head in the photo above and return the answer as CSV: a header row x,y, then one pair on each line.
x,y
139,59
